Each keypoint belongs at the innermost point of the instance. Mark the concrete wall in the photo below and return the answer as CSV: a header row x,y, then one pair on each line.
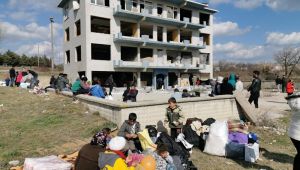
x,y
150,112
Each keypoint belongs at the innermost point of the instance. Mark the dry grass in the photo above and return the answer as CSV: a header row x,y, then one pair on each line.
x,y
276,152
32,125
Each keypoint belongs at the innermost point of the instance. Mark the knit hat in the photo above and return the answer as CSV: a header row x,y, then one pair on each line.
x,y
117,143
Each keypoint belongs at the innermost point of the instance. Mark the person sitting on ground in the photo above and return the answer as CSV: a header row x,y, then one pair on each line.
x,y
185,93
125,93
7,79
177,95
89,153
52,83
80,87
34,77
217,86
226,88
163,159
174,117
133,92
96,90
129,130
239,87
114,157
198,82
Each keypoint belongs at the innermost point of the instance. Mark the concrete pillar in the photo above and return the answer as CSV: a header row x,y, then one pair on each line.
x,y
164,13
195,37
155,54
178,79
178,38
138,54
154,81
138,79
155,32
154,10
164,56
166,81
195,17
164,34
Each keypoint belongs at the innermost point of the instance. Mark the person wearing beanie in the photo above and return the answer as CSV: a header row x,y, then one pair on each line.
x,y
88,155
162,157
113,157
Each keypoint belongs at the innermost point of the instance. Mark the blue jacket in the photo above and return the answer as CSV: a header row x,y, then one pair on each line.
x,y
96,90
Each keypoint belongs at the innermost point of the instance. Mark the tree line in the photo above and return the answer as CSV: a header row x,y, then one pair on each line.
x,y
12,59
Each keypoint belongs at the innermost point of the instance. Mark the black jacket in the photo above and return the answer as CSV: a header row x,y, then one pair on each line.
x,y
255,86
12,72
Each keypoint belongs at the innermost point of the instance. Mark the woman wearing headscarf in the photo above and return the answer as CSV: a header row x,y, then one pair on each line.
x,y
232,80
88,155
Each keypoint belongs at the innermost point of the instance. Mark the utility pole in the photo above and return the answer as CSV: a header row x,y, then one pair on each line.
x,y
38,55
52,45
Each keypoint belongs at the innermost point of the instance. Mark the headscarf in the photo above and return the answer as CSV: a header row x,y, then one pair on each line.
x,y
232,80
101,138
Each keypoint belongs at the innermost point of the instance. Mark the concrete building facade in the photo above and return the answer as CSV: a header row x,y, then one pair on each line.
x,y
146,42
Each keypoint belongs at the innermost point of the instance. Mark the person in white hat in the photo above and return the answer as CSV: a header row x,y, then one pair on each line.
x,y
113,153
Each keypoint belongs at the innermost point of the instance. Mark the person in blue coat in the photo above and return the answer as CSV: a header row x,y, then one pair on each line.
x,y
96,90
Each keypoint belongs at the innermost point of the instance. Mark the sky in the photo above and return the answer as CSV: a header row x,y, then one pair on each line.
x,y
244,30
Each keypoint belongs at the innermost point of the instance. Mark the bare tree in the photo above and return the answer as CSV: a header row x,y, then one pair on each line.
x,y
288,58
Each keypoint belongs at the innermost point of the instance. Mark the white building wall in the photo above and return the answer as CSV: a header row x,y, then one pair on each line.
x,y
87,37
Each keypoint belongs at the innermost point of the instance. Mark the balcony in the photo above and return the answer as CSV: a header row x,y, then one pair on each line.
x,y
145,41
145,15
147,65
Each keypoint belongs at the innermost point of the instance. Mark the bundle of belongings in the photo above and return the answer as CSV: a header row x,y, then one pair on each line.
x,y
232,139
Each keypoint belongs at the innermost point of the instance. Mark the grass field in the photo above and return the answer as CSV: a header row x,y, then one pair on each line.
x,y
32,125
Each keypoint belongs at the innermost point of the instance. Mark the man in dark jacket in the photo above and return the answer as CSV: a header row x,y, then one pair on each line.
x,y
284,82
129,130
255,89
12,76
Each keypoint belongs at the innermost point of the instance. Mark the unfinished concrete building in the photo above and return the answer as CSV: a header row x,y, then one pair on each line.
x,y
138,41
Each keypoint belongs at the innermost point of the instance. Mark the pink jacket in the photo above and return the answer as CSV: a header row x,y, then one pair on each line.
x,y
19,77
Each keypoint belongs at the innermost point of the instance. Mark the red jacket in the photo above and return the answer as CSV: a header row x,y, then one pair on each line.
x,y
19,77
290,87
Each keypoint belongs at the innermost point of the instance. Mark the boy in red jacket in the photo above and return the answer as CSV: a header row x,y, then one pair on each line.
x,y
290,87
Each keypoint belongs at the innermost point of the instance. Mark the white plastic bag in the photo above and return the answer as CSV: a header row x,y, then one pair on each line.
x,y
217,139
46,163
251,152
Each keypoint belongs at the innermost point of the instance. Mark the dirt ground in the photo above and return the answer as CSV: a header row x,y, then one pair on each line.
x,y
276,149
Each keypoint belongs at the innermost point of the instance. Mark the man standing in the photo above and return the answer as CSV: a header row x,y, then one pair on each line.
x,y
283,85
12,76
278,83
255,89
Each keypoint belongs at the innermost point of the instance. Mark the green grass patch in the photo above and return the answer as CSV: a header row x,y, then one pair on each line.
x,y
34,125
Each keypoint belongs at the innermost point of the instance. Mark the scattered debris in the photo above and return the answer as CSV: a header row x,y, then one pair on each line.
x,y
14,162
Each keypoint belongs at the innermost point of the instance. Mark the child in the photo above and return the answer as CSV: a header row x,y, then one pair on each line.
x,y
290,87
129,130
163,159
174,117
